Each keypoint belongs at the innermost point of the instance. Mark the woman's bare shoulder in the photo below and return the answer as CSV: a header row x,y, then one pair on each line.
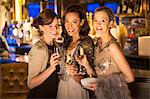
x,y
115,49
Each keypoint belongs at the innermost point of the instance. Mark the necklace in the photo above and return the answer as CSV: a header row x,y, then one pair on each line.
x,y
99,48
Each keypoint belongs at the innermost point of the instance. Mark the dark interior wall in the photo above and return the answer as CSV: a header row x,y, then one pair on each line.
x,y
68,2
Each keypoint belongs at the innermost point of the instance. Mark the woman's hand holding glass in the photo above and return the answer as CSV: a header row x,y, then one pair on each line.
x,y
54,61
82,61
71,69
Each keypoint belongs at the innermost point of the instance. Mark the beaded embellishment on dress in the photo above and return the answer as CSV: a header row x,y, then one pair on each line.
x,y
111,83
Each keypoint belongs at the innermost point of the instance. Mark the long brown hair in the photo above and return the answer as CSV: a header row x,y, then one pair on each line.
x,y
84,29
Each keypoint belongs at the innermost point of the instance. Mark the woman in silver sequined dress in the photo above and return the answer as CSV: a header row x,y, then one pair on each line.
x,y
112,69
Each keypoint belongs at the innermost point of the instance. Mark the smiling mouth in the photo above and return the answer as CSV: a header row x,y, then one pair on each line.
x,y
70,30
53,33
98,29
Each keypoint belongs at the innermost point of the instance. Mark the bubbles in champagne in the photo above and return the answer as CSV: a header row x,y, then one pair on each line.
x,y
81,52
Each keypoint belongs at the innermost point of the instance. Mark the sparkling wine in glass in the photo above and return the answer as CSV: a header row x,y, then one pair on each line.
x,y
57,51
68,59
81,52
58,69
80,56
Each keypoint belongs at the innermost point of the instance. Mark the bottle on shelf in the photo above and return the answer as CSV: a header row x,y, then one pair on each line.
x,y
137,7
5,31
125,5
119,9
130,7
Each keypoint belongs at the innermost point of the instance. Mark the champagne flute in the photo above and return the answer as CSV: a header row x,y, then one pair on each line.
x,y
57,42
68,60
56,51
80,52
58,69
80,56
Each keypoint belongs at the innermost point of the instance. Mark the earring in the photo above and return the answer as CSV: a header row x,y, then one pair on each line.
x,y
111,26
81,24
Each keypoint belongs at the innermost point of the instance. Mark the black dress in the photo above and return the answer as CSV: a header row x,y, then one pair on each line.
x,y
48,89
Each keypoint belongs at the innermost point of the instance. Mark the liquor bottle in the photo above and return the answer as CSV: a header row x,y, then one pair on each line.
x,y
124,8
5,31
148,7
119,9
137,7
130,7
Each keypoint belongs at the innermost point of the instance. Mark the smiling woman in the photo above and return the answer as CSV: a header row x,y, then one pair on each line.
x,y
42,75
112,68
75,32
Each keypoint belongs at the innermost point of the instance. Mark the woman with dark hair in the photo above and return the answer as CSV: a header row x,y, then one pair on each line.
x,y
42,75
76,39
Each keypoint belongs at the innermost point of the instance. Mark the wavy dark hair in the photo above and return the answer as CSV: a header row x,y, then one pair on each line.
x,y
84,29
46,17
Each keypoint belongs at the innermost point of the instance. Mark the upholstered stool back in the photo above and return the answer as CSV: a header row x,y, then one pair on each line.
x,y
14,80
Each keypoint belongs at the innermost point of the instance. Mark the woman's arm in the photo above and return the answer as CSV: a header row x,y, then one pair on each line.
x,y
88,60
35,78
121,62
84,62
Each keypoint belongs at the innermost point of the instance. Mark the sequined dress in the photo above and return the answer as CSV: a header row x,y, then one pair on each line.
x,y
111,83
68,87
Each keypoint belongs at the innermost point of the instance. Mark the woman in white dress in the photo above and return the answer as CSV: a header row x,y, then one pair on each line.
x,y
75,34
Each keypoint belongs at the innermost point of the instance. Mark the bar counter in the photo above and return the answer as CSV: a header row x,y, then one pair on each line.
x,y
140,65
13,76
140,88
139,62
14,58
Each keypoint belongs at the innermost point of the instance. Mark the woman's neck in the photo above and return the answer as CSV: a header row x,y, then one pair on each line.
x,y
75,38
105,39
74,42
